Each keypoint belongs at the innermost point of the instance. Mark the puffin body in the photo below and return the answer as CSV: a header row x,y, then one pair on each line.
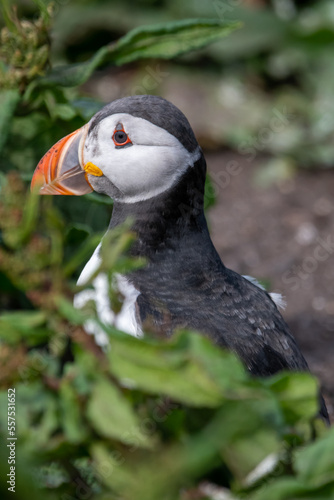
x,y
142,152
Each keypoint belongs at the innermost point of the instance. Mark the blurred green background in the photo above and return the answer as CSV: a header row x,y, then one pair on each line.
x,y
260,99
282,57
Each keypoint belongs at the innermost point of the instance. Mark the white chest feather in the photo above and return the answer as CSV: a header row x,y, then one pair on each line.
x,y
125,320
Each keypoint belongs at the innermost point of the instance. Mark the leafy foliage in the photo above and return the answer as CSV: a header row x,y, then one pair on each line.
x,y
146,418
162,41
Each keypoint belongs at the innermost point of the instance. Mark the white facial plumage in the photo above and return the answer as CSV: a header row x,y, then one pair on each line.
x,y
149,166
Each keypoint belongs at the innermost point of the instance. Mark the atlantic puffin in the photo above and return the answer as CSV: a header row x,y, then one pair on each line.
x,y
142,152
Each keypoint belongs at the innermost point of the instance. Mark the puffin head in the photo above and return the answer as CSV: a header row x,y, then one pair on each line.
x,y
133,149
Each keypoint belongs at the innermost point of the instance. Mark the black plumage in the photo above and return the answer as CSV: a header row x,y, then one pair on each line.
x,y
185,284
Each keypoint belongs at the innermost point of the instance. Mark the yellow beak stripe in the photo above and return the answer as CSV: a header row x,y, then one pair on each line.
x,y
92,169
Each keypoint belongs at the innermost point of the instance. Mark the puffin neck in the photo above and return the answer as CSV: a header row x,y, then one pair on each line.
x,y
169,219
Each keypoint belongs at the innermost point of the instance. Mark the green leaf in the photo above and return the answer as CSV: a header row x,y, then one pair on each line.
x,y
38,417
163,41
181,368
164,472
112,416
19,324
297,394
8,102
71,413
221,365
285,488
77,234
86,107
315,463
169,40
67,310
112,468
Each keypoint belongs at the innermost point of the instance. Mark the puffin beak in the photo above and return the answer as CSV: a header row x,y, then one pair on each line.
x,y
60,170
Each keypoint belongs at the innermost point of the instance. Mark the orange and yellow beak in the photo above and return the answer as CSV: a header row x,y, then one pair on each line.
x,y
60,171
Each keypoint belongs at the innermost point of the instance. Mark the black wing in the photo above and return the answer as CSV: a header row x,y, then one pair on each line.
x,y
231,310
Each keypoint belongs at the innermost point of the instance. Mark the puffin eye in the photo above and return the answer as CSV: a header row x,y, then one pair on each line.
x,y
121,138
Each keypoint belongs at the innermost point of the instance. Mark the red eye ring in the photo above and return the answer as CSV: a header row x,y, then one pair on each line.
x,y
121,138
